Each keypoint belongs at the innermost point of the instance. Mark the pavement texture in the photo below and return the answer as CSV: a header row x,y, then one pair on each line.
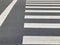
x,y
12,28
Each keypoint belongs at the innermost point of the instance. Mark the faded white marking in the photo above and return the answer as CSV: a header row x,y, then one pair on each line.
x,y
6,12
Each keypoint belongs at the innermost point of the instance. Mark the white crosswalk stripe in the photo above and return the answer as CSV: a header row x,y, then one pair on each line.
x,y
41,25
40,7
42,0
41,40
41,17
42,4
43,11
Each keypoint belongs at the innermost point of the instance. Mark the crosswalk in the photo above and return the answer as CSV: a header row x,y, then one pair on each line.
x,y
42,22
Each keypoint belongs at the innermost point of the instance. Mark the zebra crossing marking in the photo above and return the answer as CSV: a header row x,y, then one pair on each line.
x,y
40,17
41,25
47,28
41,40
43,11
43,4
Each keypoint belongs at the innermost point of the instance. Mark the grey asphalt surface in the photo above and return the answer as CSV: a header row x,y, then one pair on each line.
x,y
12,28
4,4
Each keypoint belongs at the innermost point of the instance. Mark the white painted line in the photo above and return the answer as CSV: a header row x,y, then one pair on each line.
x,y
41,25
6,12
40,7
42,4
41,17
41,40
44,11
43,0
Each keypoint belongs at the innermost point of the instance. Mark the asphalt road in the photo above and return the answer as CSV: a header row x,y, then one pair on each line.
x,y
15,27
4,4
12,28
